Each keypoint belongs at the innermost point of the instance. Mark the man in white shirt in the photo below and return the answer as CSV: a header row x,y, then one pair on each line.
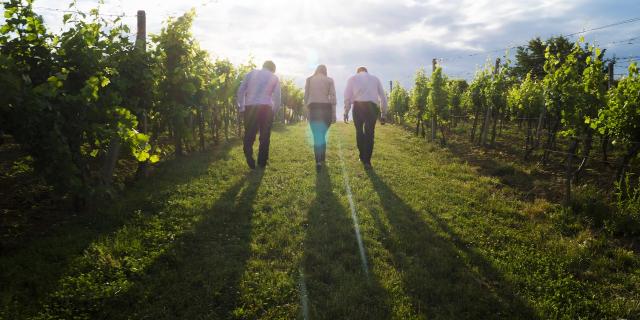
x,y
259,99
365,93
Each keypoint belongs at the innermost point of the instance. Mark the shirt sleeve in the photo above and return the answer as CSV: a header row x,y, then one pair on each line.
x,y
332,93
332,99
240,98
306,92
383,99
348,95
277,96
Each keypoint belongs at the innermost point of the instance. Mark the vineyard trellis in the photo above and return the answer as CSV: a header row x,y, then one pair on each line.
x,y
568,92
89,101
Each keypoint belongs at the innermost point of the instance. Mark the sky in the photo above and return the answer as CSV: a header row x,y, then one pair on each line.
x,y
392,38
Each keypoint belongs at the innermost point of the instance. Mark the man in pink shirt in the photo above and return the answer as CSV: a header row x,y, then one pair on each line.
x,y
259,99
365,93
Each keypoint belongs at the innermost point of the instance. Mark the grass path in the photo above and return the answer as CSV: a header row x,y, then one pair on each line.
x,y
206,238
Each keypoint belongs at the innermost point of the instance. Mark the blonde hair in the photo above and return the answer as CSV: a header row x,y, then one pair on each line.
x,y
321,69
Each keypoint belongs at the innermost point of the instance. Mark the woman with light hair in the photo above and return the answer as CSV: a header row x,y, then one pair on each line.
x,y
320,99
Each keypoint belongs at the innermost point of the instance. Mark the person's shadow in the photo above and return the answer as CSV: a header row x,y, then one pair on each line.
x,y
338,286
199,277
36,264
445,277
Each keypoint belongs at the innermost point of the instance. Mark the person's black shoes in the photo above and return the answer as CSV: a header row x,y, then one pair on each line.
x,y
366,164
251,163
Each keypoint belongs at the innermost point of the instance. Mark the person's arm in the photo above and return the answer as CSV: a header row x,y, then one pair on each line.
x,y
332,99
306,92
242,92
383,100
306,98
348,96
277,97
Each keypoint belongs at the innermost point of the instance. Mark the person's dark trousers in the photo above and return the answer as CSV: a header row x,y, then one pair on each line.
x,y
365,115
320,115
257,118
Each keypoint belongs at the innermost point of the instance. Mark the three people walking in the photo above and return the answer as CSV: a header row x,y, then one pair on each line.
x,y
320,99
259,99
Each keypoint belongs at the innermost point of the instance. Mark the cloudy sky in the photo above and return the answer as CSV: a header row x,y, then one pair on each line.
x,y
391,38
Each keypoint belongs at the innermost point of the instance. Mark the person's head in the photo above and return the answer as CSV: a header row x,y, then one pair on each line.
x,y
361,69
269,65
321,69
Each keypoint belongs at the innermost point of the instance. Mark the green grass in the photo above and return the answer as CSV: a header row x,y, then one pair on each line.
x,y
208,238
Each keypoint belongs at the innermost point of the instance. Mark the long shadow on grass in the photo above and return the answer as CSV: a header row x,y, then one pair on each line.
x,y
337,285
31,272
199,277
445,278
508,174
